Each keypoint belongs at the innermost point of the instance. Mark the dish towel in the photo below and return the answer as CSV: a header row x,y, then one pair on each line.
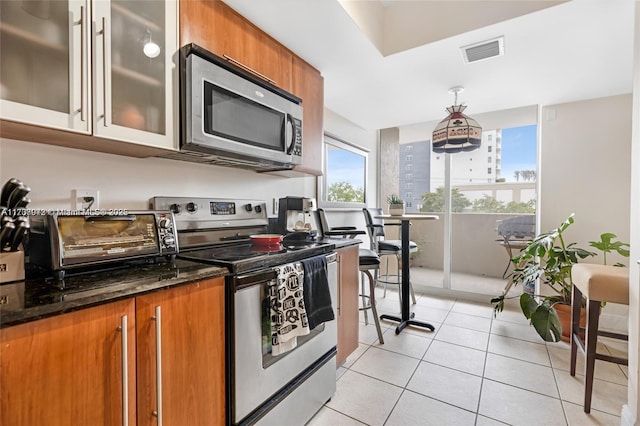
x,y
317,297
288,314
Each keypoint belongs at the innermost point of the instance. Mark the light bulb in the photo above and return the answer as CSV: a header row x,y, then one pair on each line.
x,y
151,49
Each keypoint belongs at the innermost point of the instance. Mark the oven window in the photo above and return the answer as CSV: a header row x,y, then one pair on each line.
x,y
267,358
99,237
235,117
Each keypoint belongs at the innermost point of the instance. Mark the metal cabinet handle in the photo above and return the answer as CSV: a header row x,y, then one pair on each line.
x,y
83,65
106,64
158,319
125,370
72,91
94,90
339,261
72,65
248,68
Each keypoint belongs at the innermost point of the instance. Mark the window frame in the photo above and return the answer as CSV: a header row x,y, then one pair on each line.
x,y
336,142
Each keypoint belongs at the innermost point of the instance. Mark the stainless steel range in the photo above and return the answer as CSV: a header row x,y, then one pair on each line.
x,y
263,388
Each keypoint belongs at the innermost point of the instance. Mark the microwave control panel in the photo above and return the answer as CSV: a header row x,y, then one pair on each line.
x,y
296,144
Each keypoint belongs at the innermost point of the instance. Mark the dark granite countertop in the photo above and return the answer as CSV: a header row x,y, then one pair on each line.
x,y
342,242
30,300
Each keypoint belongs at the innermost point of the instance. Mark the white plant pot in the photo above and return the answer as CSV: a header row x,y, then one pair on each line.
x,y
396,209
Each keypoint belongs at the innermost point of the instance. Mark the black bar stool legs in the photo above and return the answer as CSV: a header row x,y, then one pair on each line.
x,y
370,260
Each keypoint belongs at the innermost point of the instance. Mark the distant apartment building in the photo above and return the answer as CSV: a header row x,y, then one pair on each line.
x,y
422,171
414,173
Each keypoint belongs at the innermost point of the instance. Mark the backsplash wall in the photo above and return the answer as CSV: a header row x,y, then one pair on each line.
x,y
128,183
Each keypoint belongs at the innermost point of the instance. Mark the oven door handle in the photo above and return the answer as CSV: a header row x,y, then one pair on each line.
x,y
257,278
267,275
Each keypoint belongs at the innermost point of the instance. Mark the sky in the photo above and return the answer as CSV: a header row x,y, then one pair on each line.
x,y
518,150
341,168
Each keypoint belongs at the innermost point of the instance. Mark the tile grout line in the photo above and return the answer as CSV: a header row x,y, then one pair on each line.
x,y
484,369
555,379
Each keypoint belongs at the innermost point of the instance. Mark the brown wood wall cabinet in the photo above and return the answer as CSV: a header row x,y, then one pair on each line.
x,y
221,30
68,369
348,317
308,84
218,28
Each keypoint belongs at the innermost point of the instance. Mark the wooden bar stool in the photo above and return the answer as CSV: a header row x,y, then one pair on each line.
x,y
597,283
369,260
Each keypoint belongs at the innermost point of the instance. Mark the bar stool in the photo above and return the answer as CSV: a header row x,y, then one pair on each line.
x,y
370,260
375,229
597,283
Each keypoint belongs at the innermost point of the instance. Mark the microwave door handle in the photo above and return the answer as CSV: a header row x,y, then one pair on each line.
x,y
290,134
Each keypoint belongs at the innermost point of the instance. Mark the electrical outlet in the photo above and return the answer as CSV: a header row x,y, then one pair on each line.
x,y
84,199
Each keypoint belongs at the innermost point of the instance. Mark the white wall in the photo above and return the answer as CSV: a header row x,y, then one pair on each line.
x,y
586,167
585,156
347,131
125,182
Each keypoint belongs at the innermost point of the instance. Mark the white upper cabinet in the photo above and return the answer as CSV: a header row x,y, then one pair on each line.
x,y
103,68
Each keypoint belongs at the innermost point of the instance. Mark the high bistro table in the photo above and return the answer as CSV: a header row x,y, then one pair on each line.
x,y
406,317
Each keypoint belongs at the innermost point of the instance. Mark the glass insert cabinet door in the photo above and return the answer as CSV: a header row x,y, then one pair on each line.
x,y
42,74
99,67
135,44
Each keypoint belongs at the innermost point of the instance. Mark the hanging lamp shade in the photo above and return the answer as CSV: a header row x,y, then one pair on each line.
x,y
457,132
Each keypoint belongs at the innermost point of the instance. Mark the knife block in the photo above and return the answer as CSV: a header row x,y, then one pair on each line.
x,y
11,266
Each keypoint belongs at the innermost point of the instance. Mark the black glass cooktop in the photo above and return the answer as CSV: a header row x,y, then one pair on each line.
x,y
248,257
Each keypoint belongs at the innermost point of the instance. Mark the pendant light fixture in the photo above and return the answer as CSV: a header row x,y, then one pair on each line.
x,y
457,132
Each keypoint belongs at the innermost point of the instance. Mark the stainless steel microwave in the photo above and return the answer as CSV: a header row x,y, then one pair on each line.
x,y
232,117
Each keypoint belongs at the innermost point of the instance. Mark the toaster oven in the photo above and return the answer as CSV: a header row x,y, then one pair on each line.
x,y
59,242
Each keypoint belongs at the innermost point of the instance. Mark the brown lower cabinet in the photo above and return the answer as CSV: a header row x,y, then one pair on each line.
x,y
192,351
348,318
69,369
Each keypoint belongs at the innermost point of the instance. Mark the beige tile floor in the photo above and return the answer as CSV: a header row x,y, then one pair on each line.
x,y
474,369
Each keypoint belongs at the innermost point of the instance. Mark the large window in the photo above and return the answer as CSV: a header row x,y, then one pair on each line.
x,y
344,183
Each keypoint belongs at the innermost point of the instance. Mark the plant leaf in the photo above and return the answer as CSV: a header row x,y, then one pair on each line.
x,y
528,305
545,321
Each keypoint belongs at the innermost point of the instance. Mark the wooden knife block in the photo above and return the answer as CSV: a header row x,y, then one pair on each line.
x,y
11,266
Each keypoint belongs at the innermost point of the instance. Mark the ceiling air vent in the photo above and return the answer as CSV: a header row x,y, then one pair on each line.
x,y
483,50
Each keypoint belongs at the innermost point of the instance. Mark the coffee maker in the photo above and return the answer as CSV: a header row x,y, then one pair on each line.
x,y
295,217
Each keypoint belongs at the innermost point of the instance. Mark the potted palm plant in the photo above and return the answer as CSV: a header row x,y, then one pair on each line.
x,y
396,205
549,258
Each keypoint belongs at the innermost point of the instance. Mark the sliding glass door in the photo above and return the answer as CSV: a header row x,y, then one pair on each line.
x,y
473,193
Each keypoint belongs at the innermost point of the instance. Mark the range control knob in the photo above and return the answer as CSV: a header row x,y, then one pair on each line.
x,y
175,208
168,241
192,207
258,209
164,223
248,207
